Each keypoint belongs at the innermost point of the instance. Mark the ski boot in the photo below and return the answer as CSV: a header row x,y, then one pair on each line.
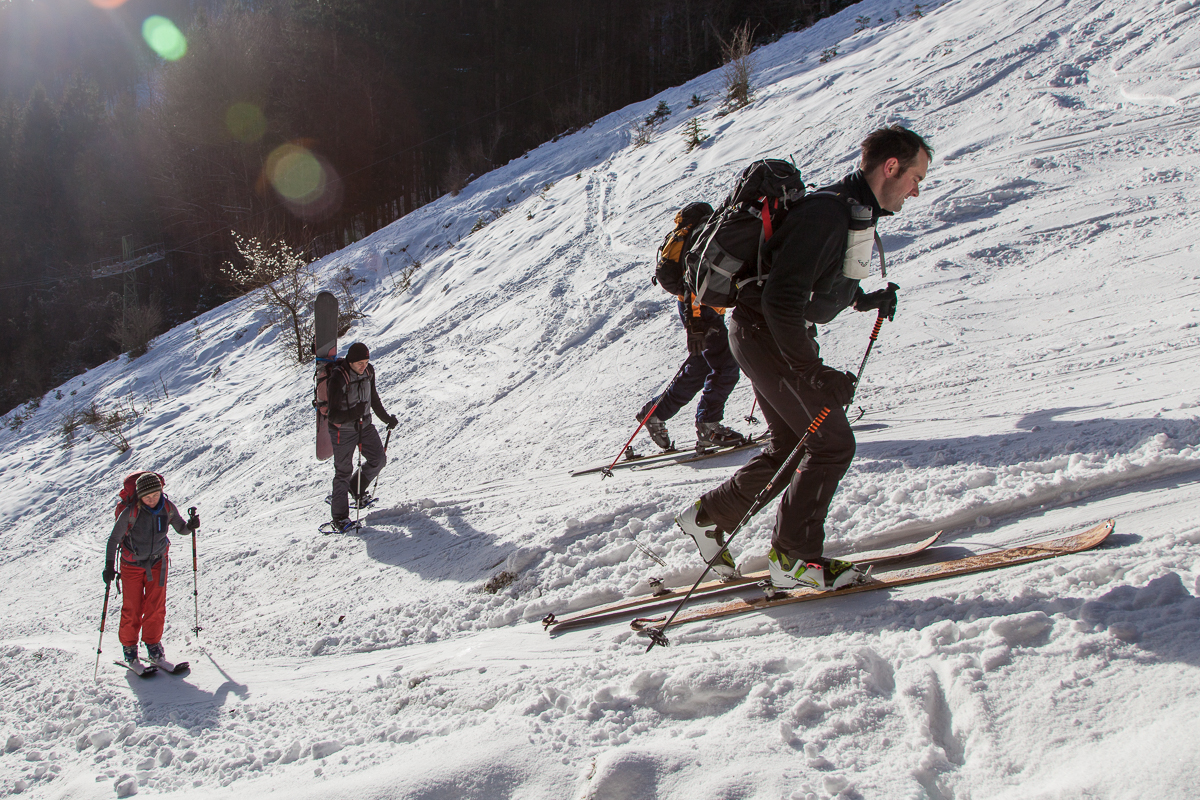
x,y
822,574
711,435
655,427
158,657
135,664
709,539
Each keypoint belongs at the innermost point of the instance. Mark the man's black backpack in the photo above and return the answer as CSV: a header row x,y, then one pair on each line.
x,y
668,272
727,251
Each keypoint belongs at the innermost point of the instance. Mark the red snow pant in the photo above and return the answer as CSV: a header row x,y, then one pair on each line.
x,y
144,607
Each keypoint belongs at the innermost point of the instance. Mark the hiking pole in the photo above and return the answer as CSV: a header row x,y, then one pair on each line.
x,y
375,480
750,418
358,481
99,644
195,571
761,499
657,635
607,471
870,344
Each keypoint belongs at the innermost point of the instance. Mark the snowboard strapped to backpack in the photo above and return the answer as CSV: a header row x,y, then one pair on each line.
x,y
728,249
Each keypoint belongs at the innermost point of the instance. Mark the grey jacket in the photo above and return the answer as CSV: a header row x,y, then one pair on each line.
x,y
141,533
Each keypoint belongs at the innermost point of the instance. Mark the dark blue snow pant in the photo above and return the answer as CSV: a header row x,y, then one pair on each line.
x,y
714,370
346,439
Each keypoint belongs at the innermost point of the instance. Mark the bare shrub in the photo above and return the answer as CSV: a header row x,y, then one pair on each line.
x,y
348,310
137,327
69,422
739,67
110,425
286,289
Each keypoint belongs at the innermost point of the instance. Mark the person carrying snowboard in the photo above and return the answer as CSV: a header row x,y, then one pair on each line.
x,y
140,534
352,397
815,269
710,368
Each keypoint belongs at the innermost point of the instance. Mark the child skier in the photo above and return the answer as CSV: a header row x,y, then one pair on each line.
x,y
141,534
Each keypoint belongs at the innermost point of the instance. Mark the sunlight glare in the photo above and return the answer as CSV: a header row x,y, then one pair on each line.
x,y
246,122
164,38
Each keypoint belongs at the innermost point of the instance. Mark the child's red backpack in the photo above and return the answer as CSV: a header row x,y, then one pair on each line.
x,y
129,491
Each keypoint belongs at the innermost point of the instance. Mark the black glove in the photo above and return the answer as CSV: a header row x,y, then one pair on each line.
x,y
109,574
193,523
838,386
697,331
392,422
884,299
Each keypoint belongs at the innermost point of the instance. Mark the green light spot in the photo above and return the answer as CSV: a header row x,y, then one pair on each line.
x,y
296,174
164,38
246,122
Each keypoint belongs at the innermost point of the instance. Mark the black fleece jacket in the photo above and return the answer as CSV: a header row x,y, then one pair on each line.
x,y
805,284
348,402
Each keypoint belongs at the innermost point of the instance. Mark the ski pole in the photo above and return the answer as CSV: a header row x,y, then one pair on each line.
x,y
358,480
607,471
763,497
100,644
656,634
387,439
195,571
750,418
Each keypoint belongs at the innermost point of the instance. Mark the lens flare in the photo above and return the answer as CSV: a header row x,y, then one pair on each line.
x,y
307,183
164,38
246,122
108,5
295,173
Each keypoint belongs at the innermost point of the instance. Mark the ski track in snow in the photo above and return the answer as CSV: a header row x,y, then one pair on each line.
x,y
1039,377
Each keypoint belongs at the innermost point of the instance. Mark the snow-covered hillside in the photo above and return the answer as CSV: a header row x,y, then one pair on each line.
x,y
1035,381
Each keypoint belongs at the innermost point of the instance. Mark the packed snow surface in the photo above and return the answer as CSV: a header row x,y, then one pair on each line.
x,y
1034,382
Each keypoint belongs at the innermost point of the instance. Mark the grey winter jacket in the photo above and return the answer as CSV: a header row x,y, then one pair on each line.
x,y
144,541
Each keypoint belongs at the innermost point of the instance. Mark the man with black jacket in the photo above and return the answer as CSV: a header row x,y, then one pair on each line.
x,y
816,262
352,397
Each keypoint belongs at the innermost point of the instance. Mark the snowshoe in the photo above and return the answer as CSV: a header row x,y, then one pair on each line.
x,y
823,574
710,435
709,539
344,525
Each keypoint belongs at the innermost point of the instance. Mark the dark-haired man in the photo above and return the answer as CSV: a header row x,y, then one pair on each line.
x,y
816,261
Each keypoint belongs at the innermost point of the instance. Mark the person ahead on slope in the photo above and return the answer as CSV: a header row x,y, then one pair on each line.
x,y
813,277
352,397
141,535
710,369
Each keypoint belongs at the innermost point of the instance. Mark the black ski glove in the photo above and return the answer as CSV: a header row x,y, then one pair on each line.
x,y
884,300
109,574
193,523
836,385
392,422
696,334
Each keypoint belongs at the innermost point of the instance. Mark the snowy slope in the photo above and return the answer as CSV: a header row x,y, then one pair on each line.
x,y
1035,381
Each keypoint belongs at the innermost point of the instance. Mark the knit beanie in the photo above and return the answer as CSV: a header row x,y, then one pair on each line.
x,y
148,483
357,352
